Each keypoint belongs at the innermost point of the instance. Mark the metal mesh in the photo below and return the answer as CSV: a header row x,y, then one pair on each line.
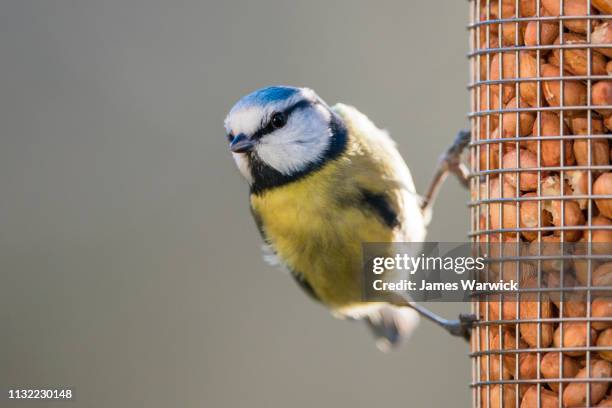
x,y
540,162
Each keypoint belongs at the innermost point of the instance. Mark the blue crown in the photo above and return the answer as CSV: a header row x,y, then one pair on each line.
x,y
268,95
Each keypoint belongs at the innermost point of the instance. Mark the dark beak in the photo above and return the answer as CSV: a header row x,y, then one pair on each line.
x,y
241,144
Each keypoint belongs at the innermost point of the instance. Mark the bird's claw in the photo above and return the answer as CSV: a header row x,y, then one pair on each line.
x,y
460,143
462,327
451,159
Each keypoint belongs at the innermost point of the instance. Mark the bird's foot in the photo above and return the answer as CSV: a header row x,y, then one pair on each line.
x,y
451,159
450,162
462,327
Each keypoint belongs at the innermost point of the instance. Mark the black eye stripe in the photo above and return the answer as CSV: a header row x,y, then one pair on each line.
x,y
268,128
299,105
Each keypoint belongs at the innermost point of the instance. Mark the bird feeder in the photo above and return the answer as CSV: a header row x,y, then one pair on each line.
x,y
541,200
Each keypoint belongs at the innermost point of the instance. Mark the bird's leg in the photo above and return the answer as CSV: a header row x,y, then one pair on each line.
x,y
460,327
449,162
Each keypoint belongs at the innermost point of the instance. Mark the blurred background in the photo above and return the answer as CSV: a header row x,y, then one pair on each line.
x,y
130,266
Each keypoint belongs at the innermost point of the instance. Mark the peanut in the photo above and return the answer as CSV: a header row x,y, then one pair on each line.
x,y
548,33
570,8
575,393
575,60
531,310
605,6
605,340
601,307
574,336
548,399
527,180
550,150
603,186
550,368
574,92
603,35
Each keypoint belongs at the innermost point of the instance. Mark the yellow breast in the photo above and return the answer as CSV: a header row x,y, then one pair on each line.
x,y
317,227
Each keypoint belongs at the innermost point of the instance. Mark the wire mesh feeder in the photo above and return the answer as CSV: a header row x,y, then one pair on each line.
x,y
541,179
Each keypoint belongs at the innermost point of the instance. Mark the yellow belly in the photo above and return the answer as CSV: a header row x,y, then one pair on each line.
x,y
318,231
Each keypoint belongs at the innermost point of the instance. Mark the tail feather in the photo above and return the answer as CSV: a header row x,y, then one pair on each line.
x,y
392,325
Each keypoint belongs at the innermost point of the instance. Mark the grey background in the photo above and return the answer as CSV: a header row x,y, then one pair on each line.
x,y
130,267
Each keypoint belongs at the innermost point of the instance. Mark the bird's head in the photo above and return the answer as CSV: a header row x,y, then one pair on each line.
x,y
280,133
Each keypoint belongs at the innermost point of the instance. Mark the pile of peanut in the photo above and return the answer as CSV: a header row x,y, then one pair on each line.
x,y
574,362
564,162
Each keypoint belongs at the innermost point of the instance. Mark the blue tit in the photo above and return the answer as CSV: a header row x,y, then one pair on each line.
x,y
323,180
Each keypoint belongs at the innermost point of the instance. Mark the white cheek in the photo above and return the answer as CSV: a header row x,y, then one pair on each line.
x,y
243,166
303,141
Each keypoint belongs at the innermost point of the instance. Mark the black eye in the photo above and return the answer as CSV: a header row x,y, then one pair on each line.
x,y
230,138
278,120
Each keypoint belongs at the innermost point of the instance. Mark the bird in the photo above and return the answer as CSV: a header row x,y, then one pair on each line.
x,y
322,181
